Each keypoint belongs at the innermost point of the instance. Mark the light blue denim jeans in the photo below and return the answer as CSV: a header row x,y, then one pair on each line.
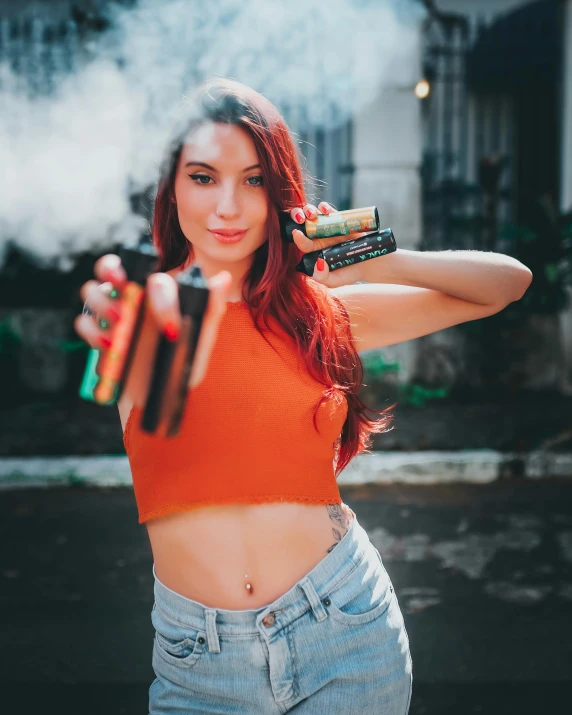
x,y
335,643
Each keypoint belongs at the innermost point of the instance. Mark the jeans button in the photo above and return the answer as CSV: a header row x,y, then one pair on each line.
x,y
269,619
326,602
201,640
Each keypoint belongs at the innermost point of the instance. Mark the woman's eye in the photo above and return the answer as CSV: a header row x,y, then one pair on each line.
x,y
197,179
200,176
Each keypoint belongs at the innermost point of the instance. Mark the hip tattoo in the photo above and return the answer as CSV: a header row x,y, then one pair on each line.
x,y
341,515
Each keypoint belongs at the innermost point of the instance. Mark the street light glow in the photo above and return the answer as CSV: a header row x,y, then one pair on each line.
x,y
422,89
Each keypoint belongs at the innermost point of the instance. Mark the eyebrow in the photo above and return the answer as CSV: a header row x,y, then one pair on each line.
x,y
208,166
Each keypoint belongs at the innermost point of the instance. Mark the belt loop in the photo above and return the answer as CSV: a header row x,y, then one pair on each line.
x,y
212,635
317,606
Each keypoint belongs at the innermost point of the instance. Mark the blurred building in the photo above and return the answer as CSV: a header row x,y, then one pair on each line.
x,y
479,156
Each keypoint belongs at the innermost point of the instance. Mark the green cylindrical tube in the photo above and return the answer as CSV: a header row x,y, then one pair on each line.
x,y
336,223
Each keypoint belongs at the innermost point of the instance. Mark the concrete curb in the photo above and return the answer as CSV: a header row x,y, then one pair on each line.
x,y
470,466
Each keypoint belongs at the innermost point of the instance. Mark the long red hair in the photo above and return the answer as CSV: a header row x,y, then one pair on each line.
x,y
316,319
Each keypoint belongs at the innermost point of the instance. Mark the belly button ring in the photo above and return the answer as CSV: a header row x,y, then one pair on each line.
x,y
248,586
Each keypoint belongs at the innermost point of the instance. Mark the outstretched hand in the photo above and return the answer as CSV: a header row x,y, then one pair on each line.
x,y
163,316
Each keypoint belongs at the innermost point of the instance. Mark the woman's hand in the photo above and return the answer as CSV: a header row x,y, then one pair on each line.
x,y
163,315
322,274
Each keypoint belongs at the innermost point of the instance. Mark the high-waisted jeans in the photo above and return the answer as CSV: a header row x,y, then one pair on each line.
x,y
335,643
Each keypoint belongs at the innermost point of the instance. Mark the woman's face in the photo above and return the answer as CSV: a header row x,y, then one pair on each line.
x,y
218,185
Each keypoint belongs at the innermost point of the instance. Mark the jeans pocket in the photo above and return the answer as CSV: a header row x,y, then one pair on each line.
x,y
175,643
364,595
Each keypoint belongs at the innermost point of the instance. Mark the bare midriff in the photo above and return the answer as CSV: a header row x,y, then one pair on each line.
x,y
211,553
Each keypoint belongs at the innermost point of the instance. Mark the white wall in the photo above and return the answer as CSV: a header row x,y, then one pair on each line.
x,y
386,154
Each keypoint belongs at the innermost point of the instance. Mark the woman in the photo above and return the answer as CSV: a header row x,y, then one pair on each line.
x,y
255,610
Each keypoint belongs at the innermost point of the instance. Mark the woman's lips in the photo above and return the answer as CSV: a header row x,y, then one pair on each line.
x,y
224,238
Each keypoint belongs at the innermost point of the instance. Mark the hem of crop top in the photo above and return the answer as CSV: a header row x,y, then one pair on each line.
x,y
256,499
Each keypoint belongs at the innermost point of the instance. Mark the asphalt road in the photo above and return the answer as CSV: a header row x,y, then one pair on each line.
x,y
483,574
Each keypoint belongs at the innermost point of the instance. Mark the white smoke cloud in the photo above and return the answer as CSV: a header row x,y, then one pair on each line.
x,y
71,158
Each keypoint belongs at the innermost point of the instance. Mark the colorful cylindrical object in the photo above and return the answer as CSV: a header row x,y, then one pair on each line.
x,y
105,375
349,252
336,223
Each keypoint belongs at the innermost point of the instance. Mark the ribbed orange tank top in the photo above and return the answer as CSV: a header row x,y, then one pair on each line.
x,y
247,434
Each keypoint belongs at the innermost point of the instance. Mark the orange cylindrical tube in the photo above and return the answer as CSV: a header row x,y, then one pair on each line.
x,y
114,362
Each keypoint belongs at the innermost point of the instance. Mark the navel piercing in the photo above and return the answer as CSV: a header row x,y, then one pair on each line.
x,y
248,586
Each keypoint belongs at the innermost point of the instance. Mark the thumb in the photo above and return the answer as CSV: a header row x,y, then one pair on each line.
x,y
163,301
219,287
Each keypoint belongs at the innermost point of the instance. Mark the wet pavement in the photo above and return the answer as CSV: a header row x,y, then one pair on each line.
x,y
483,574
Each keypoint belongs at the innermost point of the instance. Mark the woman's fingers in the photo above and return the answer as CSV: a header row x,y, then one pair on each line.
x,y
96,295
297,215
219,286
109,268
325,208
86,327
307,245
310,211
163,302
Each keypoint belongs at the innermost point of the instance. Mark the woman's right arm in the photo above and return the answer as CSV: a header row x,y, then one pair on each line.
x,y
163,310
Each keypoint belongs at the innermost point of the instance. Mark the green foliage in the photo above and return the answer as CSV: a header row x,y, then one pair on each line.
x,y
418,396
10,341
548,254
375,368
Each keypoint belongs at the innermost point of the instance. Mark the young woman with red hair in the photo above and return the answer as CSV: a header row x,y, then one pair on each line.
x,y
255,610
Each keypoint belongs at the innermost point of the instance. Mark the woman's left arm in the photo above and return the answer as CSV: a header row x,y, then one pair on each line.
x,y
408,294
486,278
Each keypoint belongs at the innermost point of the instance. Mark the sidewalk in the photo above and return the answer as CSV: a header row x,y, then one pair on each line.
x,y
476,467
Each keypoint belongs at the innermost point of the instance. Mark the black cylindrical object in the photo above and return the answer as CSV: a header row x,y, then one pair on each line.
x,y
349,252
139,262
193,300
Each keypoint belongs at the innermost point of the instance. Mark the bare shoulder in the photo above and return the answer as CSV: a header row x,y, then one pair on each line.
x,y
384,314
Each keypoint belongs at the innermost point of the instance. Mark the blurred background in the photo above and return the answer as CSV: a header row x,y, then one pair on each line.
x,y
454,118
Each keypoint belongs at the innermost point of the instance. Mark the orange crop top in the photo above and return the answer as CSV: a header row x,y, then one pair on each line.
x,y
247,433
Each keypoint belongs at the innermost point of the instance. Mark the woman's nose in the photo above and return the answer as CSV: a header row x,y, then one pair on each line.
x,y
228,206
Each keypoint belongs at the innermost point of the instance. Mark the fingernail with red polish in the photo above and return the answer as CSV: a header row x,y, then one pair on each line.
x,y
115,313
171,331
300,216
113,277
105,342
320,264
